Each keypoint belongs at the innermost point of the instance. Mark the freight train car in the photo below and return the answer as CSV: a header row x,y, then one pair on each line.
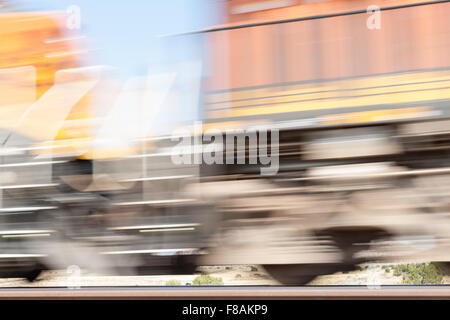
x,y
75,187
355,96
359,93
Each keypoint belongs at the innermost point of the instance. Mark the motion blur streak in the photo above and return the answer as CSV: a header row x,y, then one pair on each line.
x,y
361,113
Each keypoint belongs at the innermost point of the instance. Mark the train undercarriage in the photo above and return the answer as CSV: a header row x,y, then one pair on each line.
x,y
341,197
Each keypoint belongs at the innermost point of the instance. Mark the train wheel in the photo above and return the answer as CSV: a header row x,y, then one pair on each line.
x,y
33,274
30,273
291,274
185,265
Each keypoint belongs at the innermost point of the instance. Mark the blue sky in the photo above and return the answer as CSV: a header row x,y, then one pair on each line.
x,y
127,33
127,36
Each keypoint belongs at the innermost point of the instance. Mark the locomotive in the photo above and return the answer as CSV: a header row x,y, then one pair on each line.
x,y
355,95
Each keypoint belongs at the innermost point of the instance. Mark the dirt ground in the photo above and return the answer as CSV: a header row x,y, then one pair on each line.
x,y
238,275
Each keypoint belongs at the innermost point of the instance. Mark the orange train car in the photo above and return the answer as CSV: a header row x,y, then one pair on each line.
x,y
360,94
34,47
279,60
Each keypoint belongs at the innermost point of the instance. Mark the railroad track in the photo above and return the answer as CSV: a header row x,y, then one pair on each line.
x,y
211,293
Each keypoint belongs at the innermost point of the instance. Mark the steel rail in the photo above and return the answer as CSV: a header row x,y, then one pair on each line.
x,y
233,293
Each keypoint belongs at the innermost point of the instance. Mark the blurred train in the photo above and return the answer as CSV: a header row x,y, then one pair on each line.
x,y
358,93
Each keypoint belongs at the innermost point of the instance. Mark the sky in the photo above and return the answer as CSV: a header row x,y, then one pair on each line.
x,y
131,36
127,34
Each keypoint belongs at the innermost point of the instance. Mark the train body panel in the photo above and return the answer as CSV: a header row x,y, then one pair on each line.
x,y
322,64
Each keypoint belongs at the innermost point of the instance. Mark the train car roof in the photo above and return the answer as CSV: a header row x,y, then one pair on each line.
x,y
314,10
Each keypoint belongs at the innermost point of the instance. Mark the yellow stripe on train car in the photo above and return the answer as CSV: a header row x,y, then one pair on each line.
x,y
376,115
352,93
219,100
335,103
